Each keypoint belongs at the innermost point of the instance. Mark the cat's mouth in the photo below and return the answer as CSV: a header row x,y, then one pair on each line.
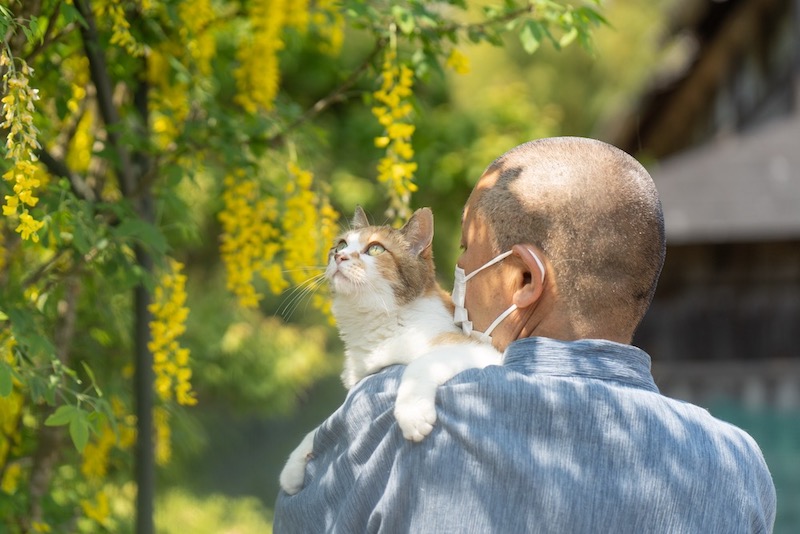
x,y
337,277
341,282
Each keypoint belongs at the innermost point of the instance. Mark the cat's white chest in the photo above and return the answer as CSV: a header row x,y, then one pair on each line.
x,y
374,340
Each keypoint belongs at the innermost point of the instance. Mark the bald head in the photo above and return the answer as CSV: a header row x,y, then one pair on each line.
x,y
594,212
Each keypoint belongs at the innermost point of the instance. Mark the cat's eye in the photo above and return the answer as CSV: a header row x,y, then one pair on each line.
x,y
340,246
375,249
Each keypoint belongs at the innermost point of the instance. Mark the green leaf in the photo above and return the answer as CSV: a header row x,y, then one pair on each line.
x,y
144,232
531,36
63,415
79,429
568,37
405,20
6,379
71,14
90,374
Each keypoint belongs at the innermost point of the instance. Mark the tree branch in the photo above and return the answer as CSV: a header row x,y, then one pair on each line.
x,y
102,83
48,450
59,168
337,95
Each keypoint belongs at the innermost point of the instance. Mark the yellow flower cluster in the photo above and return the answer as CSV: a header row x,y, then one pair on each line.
x,y
11,407
329,23
309,226
170,360
249,239
97,510
297,14
458,61
258,74
194,49
11,410
393,112
21,144
97,457
114,12
196,17
97,452
163,435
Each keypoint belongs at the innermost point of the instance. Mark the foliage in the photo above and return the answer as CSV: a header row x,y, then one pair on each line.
x,y
179,512
126,122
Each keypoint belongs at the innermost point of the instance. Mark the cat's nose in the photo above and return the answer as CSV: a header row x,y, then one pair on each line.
x,y
339,257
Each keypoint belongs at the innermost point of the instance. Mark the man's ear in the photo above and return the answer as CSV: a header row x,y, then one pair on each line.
x,y
533,275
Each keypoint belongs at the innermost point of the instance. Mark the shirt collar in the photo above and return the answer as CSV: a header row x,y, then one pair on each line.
x,y
586,358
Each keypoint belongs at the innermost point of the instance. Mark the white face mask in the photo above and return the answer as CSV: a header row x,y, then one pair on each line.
x,y
460,316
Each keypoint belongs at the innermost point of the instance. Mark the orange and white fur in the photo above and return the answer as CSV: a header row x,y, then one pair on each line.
x,y
390,310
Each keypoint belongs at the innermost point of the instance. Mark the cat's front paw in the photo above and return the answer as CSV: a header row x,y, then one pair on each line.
x,y
294,472
292,476
415,415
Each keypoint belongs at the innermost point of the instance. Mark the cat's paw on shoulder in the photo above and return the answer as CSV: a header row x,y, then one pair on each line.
x,y
292,476
415,417
294,472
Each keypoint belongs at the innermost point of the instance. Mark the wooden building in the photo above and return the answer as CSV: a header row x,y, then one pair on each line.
x,y
721,138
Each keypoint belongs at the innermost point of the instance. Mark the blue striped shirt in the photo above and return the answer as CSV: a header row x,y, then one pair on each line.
x,y
568,437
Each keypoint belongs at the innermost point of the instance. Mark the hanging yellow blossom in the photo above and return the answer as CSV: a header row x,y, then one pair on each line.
x,y
309,227
112,13
196,18
97,453
170,360
11,477
297,15
300,227
79,151
97,509
21,144
329,24
329,228
170,104
393,111
249,242
163,433
258,74
194,49
11,407
458,61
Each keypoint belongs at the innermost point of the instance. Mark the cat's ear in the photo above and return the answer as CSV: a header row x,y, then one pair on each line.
x,y
419,231
359,219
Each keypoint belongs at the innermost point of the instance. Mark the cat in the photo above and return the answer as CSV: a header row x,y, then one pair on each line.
x,y
390,310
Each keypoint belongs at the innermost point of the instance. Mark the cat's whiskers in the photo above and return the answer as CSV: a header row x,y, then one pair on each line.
x,y
299,293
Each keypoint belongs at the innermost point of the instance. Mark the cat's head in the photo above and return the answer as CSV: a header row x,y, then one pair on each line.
x,y
382,267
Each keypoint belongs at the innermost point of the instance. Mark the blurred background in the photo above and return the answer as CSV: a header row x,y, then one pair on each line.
x,y
704,93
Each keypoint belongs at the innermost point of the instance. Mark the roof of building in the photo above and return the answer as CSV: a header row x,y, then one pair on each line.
x,y
739,189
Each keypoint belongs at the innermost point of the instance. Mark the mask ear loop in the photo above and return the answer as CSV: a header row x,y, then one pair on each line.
x,y
509,311
538,262
489,263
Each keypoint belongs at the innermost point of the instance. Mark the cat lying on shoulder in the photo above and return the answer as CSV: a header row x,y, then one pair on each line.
x,y
390,310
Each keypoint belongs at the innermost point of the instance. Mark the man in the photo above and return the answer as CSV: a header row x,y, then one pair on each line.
x,y
570,434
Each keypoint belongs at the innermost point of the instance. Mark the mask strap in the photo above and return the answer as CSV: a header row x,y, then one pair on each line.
x,y
489,263
499,319
538,262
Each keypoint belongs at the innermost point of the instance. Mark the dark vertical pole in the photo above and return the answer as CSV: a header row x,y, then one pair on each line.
x,y
143,389
130,171
145,454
